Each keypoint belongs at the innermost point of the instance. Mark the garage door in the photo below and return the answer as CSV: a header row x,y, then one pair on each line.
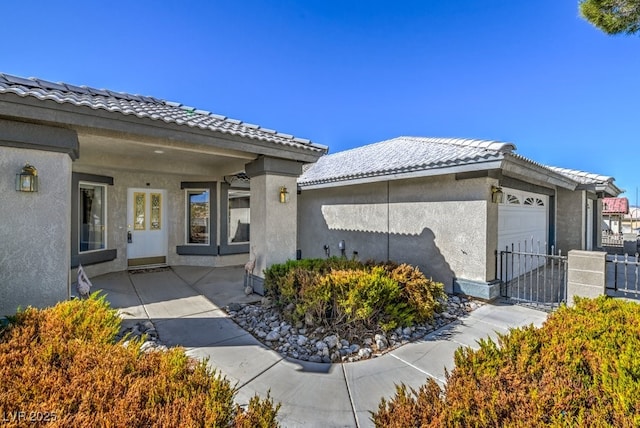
x,y
522,221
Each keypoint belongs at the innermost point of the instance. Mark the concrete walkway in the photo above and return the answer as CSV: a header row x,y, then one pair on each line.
x,y
185,305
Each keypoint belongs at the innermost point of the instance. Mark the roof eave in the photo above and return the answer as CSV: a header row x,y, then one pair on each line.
x,y
609,188
70,115
524,169
390,176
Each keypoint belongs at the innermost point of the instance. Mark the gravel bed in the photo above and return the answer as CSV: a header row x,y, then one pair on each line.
x,y
317,344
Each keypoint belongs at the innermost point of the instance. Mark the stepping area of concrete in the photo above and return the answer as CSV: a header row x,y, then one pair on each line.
x,y
185,304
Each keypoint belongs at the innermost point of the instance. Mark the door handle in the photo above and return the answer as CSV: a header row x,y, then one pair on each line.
x,y
129,237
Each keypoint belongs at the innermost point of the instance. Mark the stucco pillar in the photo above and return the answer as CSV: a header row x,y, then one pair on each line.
x,y
35,231
587,274
273,223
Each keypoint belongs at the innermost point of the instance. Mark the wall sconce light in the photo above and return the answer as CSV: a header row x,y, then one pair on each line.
x,y
284,195
27,179
496,194
342,246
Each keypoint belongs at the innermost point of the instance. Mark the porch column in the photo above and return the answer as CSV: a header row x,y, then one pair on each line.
x,y
273,223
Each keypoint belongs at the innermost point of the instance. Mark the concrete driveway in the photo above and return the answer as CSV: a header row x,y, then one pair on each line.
x,y
185,305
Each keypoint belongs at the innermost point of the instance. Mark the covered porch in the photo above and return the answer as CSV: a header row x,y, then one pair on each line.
x,y
130,181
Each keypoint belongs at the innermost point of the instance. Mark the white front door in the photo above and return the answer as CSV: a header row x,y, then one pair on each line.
x,y
146,227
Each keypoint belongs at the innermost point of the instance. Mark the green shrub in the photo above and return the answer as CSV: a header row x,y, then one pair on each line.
x,y
372,296
344,294
580,369
280,281
422,294
63,361
283,282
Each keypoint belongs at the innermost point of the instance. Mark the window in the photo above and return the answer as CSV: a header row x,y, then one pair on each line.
x,y
235,216
89,220
513,200
92,205
198,217
201,203
534,202
239,215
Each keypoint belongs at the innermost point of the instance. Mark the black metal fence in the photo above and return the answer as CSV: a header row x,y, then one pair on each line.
x,y
623,276
533,278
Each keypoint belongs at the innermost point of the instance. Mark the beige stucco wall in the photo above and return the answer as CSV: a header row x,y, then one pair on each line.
x,y
34,231
446,227
174,218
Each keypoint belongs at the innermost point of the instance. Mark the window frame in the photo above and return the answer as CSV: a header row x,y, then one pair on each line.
x,y
210,249
93,256
229,225
104,216
187,234
227,248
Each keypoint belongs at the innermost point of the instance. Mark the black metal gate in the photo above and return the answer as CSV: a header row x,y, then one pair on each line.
x,y
533,278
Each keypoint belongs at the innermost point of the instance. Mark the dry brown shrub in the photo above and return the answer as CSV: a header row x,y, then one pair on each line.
x,y
61,362
580,369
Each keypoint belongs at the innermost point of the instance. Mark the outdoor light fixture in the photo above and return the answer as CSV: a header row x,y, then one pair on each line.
x,y
342,246
284,195
27,180
496,194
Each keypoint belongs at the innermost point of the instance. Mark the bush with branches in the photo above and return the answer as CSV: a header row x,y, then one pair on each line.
x,y
62,366
581,368
346,294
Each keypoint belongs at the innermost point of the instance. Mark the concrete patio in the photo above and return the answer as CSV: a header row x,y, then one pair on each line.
x,y
185,305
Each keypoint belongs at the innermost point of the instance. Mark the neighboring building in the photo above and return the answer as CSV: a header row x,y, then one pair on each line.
x,y
613,211
128,180
583,207
631,221
446,205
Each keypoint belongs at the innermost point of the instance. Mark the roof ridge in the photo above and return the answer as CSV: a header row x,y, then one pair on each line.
x,y
493,145
403,155
488,145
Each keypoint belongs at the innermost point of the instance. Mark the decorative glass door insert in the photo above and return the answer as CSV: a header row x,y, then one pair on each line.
x,y
156,211
140,211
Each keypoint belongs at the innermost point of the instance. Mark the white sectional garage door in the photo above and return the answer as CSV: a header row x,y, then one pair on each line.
x,y
522,218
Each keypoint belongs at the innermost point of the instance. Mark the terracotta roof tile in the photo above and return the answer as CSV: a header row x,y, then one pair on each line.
x,y
615,206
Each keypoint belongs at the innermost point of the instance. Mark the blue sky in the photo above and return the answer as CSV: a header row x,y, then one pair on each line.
x,y
348,73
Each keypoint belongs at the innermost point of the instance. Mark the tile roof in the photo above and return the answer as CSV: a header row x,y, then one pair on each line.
x,y
402,155
615,206
583,177
146,107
